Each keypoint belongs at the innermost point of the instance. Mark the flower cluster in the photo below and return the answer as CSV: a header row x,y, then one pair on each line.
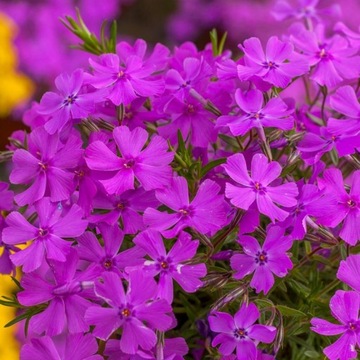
x,y
152,175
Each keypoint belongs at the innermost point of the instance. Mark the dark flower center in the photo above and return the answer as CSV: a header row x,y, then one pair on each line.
x,y
43,166
129,164
108,264
164,265
351,203
190,108
125,312
43,232
120,206
258,187
240,333
353,326
70,99
261,258
270,65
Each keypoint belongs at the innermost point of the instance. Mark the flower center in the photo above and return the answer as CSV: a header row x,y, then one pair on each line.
x,y
261,258
43,166
43,232
164,265
190,108
129,164
120,74
126,312
107,264
270,65
70,99
240,333
353,326
120,206
258,187
351,203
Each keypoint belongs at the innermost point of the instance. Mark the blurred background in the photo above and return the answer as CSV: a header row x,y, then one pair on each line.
x,y
35,45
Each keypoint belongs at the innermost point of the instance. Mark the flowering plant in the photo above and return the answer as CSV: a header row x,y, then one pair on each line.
x,y
190,203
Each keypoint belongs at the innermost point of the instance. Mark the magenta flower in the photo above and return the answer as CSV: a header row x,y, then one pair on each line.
x,y
171,265
255,114
344,307
108,258
338,206
173,349
256,188
264,261
129,311
149,166
333,60
349,271
126,207
304,10
206,213
6,196
69,105
195,123
62,288
47,237
240,332
277,66
66,347
45,166
125,80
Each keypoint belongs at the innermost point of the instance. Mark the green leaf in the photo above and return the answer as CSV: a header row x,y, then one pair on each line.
x,y
312,354
287,311
211,165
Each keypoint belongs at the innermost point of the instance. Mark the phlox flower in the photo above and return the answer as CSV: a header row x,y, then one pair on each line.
x,y
249,189
240,332
47,237
349,272
124,80
256,114
135,311
69,104
264,261
45,166
206,213
108,257
66,347
171,265
173,349
150,166
278,65
344,306
332,58
61,287
338,206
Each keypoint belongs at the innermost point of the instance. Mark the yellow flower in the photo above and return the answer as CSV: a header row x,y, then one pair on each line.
x,y
9,347
15,88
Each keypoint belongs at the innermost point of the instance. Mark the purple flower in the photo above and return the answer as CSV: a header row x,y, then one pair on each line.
x,y
349,271
206,213
195,123
257,115
6,196
344,307
149,166
46,167
108,258
170,265
129,311
173,349
333,60
66,347
305,9
47,237
277,66
264,261
257,187
125,207
240,332
126,80
61,287
338,206
69,105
